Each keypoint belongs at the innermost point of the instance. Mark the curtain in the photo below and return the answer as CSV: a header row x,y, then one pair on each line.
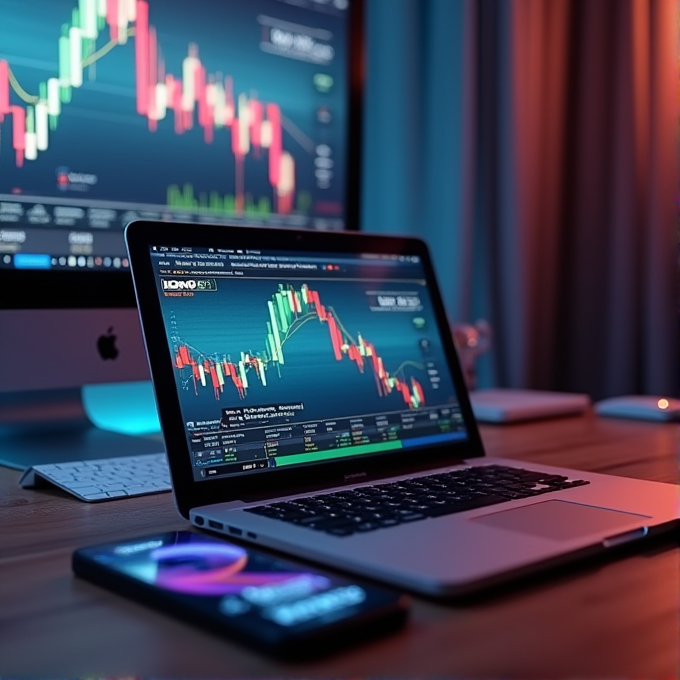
x,y
533,144
417,122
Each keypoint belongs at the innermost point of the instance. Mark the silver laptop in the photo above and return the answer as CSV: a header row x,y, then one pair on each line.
x,y
312,401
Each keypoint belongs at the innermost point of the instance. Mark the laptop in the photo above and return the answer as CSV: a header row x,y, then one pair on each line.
x,y
311,401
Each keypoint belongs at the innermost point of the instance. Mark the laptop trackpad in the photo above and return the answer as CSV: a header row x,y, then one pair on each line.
x,y
560,520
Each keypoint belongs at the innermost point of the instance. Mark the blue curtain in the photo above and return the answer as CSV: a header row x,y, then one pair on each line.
x,y
417,133
420,151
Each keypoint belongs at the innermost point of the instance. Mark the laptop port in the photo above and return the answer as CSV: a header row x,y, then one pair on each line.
x,y
235,531
215,525
199,520
250,534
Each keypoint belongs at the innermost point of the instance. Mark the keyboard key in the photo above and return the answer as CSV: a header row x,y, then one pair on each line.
x,y
88,490
411,517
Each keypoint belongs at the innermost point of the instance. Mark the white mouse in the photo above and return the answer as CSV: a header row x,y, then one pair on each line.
x,y
640,406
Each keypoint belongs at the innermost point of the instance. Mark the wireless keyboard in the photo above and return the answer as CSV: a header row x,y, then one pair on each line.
x,y
105,479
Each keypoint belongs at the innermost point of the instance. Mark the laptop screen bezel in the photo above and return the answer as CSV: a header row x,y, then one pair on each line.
x,y
140,236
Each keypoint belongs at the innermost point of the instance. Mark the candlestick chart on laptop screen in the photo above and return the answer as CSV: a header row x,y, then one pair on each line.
x,y
288,359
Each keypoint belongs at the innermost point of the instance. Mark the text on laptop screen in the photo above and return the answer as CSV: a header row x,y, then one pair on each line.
x,y
285,358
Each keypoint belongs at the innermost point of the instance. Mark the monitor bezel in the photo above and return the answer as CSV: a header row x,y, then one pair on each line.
x,y
87,289
189,494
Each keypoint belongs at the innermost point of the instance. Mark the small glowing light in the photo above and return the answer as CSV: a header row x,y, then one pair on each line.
x,y
662,403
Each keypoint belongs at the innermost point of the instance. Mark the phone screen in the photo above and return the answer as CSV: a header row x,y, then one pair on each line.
x,y
250,594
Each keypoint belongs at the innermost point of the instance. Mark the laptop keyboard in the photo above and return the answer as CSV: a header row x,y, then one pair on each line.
x,y
368,508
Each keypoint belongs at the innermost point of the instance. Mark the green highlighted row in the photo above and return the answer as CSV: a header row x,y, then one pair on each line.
x,y
337,453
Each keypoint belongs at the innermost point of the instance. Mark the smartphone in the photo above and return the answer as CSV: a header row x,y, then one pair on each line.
x,y
279,606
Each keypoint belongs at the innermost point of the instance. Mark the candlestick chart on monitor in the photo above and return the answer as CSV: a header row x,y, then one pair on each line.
x,y
193,107
270,342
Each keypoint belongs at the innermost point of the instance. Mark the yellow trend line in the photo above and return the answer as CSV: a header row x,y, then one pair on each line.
x,y
88,61
303,320
28,98
409,362
95,56
341,326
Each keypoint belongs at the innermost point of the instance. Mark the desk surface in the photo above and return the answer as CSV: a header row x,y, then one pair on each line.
x,y
618,619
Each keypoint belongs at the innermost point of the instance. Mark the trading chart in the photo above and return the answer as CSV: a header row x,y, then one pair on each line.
x,y
264,341
289,311
196,107
283,359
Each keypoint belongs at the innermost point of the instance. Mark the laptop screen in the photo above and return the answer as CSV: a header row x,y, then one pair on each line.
x,y
285,358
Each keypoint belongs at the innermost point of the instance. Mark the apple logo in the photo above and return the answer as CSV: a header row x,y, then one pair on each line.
x,y
106,344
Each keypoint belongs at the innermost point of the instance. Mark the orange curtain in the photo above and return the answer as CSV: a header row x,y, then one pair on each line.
x,y
583,267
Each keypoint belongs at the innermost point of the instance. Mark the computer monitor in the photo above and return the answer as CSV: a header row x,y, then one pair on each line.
x,y
222,111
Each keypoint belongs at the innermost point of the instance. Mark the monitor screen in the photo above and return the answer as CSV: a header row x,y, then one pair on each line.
x,y
220,111
208,110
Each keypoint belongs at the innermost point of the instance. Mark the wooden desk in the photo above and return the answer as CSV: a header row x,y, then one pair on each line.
x,y
619,619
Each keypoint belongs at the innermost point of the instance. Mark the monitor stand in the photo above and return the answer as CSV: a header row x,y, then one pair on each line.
x,y
54,426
